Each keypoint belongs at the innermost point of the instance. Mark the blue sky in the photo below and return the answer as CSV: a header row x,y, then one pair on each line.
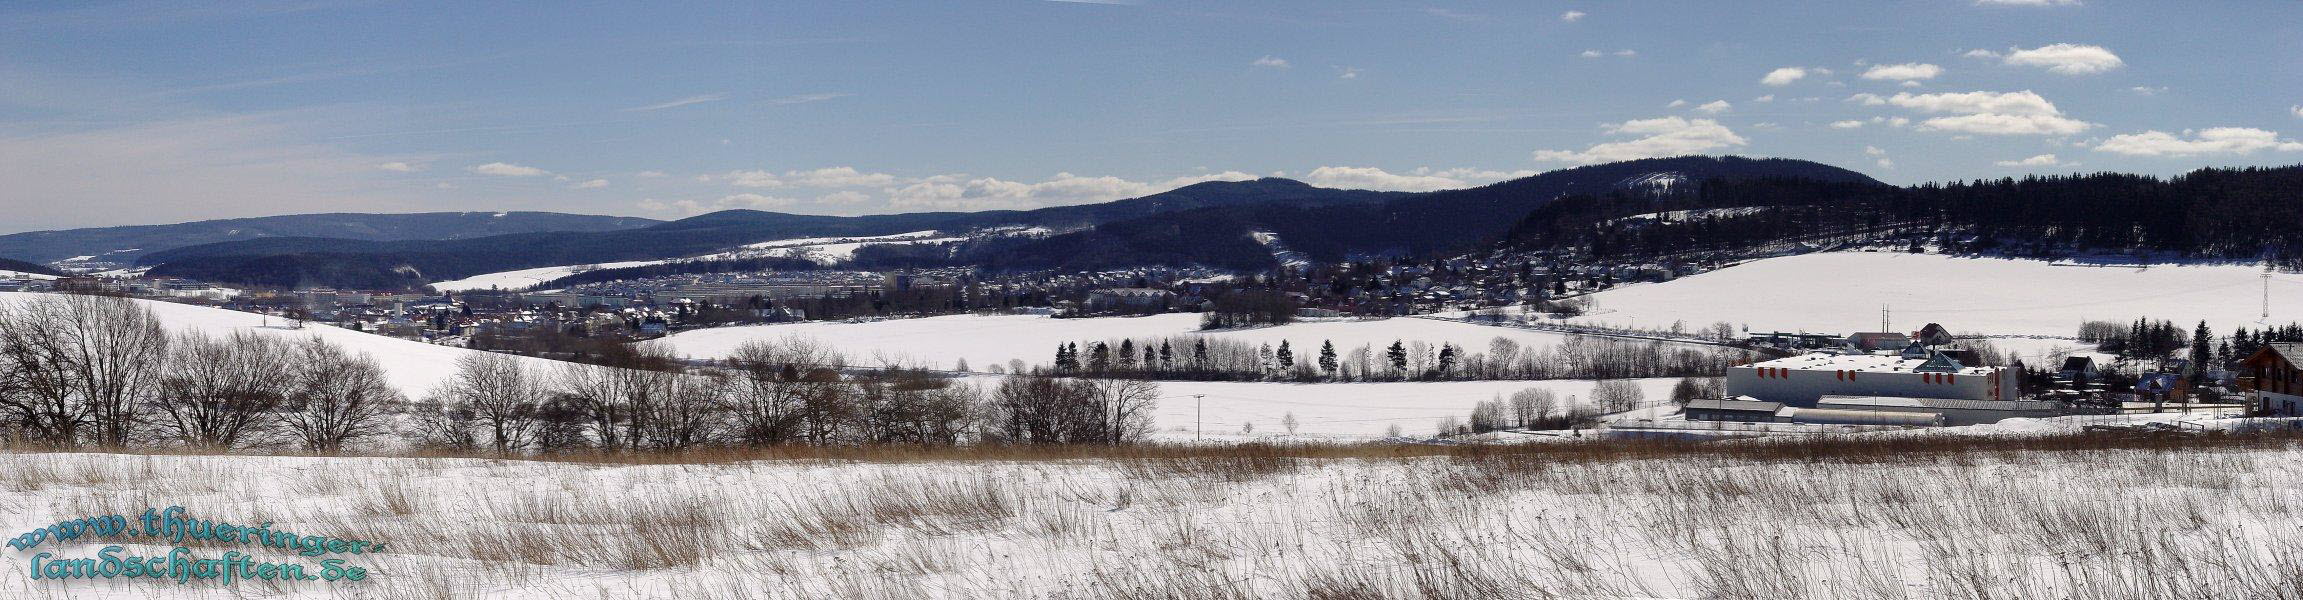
x,y
124,113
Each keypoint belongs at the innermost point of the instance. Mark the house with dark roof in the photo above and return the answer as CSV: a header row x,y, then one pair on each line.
x,y
1874,341
2273,377
1934,335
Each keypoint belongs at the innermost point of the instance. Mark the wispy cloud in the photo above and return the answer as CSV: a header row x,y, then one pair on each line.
x,y
696,99
806,98
1270,62
504,169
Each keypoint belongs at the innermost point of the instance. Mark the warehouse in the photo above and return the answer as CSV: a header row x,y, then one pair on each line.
x,y
1744,410
1951,412
1913,373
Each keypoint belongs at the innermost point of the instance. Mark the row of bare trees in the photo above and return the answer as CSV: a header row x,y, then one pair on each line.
x,y
769,392
99,371
1218,359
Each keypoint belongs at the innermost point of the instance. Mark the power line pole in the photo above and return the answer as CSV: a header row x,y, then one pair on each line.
x,y
1195,413
2266,293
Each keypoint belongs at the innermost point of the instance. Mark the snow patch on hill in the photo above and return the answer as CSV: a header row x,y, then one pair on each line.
x,y
1843,292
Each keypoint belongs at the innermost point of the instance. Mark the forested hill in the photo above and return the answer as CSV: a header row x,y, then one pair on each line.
x,y
125,244
1443,221
288,261
2240,214
10,264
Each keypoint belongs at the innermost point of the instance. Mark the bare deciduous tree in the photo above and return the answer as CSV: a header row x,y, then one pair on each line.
x,y
337,397
221,393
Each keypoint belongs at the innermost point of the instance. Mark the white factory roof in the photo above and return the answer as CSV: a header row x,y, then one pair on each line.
x,y
1864,363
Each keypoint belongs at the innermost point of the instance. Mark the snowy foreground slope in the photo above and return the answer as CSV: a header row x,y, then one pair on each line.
x,y
2099,524
1842,292
412,367
984,341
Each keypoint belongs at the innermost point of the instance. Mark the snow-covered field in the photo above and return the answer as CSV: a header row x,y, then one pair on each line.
x,y
989,340
827,251
2201,523
6,274
412,367
1342,411
1842,292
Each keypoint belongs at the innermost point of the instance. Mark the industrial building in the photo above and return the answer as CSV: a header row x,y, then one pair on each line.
x,y
1917,386
1913,373
1951,412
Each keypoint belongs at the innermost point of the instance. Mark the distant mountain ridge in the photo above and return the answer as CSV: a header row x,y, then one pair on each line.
x,y
124,244
1206,224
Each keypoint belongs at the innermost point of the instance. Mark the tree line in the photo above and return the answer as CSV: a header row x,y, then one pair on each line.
x,y
1205,358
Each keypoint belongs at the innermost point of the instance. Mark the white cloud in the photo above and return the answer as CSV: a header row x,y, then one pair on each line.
x,y
750,200
1347,72
1885,163
2213,140
2014,103
592,184
1784,76
1873,151
1898,122
1980,53
649,174
1994,124
1766,98
1902,72
2043,160
1207,177
1676,103
1374,178
2145,90
1992,113
1269,61
1847,124
507,170
1592,54
697,99
2026,2
1571,16
2067,59
838,177
844,197
399,167
752,179
1714,107
1627,53
950,192
1666,136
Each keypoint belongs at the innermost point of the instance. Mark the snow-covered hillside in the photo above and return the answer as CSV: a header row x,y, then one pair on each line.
x,y
822,250
989,340
5,274
412,367
1843,292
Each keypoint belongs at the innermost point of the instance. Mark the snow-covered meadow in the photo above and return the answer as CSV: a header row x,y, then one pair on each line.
x,y
1843,292
986,340
2211,521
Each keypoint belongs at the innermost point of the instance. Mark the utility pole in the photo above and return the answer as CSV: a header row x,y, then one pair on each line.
x,y
1884,321
1195,413
2266,292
